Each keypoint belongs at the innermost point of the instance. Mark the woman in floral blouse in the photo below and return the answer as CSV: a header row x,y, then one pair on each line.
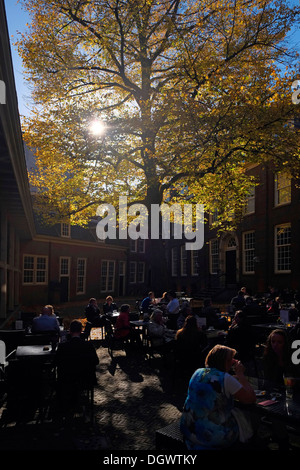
x,y
207,421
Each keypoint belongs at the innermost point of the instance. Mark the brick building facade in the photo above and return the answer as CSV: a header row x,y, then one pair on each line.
x,y
264,250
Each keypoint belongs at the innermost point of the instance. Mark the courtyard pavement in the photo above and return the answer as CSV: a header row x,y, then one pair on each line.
x,y
134,397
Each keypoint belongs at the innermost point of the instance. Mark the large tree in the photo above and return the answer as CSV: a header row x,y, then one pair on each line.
x,y
189,91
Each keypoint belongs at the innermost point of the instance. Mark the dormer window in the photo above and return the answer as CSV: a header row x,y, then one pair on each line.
x,y
65,230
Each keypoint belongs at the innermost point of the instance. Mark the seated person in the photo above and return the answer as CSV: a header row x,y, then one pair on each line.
x,y
210,314
93,316
172,310
277,357
251,307
109,306
293,313
157,330
190,343
241,338
183,313
76,362
207,421
277,362
123,329
238,302
212,319
46,323
147,302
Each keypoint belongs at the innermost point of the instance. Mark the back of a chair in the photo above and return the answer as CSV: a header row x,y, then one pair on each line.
x,y
108,328
2,353
12,339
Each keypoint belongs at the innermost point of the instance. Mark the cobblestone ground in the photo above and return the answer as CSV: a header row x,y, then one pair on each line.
x,y
135,397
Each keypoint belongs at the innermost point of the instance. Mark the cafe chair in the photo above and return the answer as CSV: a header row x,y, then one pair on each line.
x,y
3,362
75,392
112,342
153,349
42,338
87,334
12,339
4,359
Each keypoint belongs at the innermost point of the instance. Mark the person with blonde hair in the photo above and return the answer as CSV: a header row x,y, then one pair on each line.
x,y
208,420
109,306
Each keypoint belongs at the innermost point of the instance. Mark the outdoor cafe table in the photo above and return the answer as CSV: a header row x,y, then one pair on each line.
x,y
215,336
271,402
262,330
273,326
35,351
138,323
141,325
112,316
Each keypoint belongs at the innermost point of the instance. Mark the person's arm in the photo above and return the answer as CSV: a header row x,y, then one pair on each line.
x,y
246,394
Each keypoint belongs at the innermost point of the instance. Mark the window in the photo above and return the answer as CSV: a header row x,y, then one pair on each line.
x,y
214,256
107,276
174,261
64,266
283,248
194,262
231,243
137,246
140,272
141,245
214,216
250,204
65,230
81,276
183,261
133,246
122,268
35,269
132,272
248,252
282,189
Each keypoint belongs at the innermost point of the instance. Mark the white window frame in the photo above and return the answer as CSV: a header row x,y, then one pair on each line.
x,y
132,272
213,216
174,261
282,185
213,253
105,286
248,252
278,246
183,261
81,277
66,258
65,230
194,263
35,270
140,275
250,203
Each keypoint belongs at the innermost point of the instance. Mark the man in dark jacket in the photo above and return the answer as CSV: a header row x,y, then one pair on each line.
x,y
238,302
93,316
75,361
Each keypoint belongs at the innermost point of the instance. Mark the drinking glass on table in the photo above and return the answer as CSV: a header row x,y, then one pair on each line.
x,y
289,383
